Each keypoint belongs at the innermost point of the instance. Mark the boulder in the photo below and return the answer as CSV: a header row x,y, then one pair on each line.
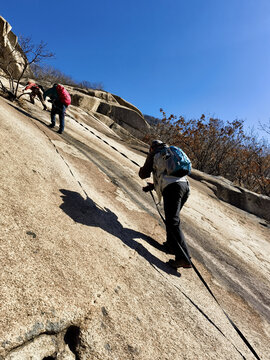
x,y
126,117
119,110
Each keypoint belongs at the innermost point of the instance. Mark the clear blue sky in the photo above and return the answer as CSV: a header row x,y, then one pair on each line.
x,y
187,56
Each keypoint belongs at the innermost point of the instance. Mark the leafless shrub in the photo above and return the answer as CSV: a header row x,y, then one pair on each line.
x,y
265,127
30,54
53,75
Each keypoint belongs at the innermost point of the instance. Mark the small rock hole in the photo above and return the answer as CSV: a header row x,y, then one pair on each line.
x,y
71,338
49,358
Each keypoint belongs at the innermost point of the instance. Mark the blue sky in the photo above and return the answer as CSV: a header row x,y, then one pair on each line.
x,y
187,56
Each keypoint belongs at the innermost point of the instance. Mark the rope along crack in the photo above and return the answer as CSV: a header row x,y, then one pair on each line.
x,y
193,266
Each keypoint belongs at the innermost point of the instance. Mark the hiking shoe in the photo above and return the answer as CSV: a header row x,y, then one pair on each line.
x,y
179,263
60,131
51,125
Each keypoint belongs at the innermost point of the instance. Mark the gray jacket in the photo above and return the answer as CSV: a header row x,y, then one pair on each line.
x,y
154,163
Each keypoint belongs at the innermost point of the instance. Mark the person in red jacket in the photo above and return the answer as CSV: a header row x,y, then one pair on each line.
x,y
59,106
35,91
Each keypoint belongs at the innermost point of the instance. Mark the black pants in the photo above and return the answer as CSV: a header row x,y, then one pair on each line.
x,y
60,109
174,197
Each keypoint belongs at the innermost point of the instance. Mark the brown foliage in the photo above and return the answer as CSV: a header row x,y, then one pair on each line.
x,y
218,148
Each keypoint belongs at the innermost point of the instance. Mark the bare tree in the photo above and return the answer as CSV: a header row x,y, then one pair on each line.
x,y
53,75
30,54
85,84
265,127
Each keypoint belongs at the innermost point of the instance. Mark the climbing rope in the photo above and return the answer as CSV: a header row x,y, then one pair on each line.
x,y
208,289
188,259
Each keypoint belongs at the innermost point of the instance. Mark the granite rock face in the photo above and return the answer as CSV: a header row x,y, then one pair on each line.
x,y
111,106
84,273
11,54
244,199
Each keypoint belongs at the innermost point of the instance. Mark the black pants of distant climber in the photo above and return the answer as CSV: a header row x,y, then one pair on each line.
x,y
174,197
60,109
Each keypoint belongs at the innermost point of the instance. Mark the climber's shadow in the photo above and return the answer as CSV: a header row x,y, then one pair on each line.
x,y
87,212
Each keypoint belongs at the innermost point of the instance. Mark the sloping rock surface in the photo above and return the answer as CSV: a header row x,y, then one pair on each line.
x,y
242,198
84,275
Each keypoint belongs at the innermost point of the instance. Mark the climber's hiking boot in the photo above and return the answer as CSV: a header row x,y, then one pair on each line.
x,y
51,125
179,263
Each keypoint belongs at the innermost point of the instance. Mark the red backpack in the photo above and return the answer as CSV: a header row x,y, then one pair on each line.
x,y
64,96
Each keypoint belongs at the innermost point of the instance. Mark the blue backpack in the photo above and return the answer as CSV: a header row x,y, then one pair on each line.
x,y
176,161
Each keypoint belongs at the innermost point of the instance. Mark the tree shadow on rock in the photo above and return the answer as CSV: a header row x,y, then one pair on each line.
x,y
87,212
